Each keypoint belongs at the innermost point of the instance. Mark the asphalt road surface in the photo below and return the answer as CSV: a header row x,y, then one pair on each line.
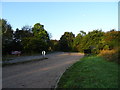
x,y
38,74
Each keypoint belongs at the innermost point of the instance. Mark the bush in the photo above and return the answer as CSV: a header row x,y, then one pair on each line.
x,y
111,55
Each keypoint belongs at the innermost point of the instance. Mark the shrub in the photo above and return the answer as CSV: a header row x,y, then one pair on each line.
x,y
111,55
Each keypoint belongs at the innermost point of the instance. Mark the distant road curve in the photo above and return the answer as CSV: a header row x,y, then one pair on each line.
x,y
39,74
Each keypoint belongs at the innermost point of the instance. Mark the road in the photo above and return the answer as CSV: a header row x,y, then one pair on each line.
x,y
38,74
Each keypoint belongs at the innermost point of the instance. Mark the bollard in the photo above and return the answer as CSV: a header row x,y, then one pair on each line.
x,y
43,53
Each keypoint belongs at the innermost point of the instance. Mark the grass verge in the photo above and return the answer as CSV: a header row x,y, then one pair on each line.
x,y
91,72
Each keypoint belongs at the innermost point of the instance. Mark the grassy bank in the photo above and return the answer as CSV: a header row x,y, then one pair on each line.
x,y
91,72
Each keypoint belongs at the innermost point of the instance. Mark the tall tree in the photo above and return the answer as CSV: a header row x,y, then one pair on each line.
x,y
7,36
7,32
40,32
66,41
42,36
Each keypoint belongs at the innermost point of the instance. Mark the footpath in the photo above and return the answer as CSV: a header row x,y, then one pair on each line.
x,y
21,59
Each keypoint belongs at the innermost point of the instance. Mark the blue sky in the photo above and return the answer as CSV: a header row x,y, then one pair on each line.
x,y
59,17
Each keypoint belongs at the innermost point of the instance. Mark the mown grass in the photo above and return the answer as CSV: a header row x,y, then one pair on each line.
x,y
90,72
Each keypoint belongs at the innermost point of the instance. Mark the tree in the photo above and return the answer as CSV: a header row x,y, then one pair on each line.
x,y
42,35
37,29
94,39
7,36
112,39
66,41
77,42
27,28
40,32
19,34
54,45
7,32
33,44
82,33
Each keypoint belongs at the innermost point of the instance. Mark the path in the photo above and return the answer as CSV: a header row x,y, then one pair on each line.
x,y
39,74
26,58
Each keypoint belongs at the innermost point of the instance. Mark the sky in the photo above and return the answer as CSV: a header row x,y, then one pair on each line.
x,y
60,17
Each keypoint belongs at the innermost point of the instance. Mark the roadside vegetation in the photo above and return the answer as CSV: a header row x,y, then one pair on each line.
x,y
32,40
91,72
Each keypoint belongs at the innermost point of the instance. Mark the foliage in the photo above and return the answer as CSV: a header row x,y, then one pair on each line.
x,y
93,40
41,36
36,38
27,28
19,34
33,44
112,39
111,50
77,42
90,72
7,32
28,39
66,41
7,36
54,45
111,55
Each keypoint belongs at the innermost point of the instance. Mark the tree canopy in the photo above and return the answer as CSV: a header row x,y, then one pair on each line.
x,y
35,39
66,41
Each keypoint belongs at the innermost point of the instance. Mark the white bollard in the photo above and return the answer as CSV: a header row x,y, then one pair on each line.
x,y
43,53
